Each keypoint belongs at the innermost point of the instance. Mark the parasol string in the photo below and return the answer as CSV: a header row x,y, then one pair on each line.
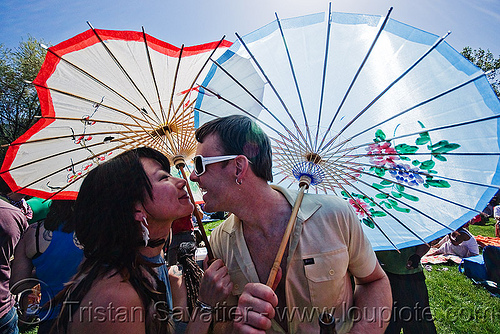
x,y
240,109
254,98
371,219
434,176
479,76
304,184
417,189
71,166
379,32
323,80
284,159
199,73
153,74
146,119
292,154
135,118
187,113
89,76
157,142
433,47
297,128
175,81
248,114
129,78
55,155
186,116
437,128
402,202
294,79
185,133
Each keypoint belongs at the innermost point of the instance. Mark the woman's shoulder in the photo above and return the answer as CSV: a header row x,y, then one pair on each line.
x,y
111,306
112,288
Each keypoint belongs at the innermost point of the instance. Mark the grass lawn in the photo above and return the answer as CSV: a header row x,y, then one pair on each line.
x,y
210,226
487,230
458,306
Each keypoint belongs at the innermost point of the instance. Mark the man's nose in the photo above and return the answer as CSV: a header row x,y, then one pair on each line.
x,y
193,177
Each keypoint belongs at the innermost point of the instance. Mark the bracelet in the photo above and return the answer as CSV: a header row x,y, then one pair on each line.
x,y
204,307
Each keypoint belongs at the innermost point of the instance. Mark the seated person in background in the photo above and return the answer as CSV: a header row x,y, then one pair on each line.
x,y
460,243
51,249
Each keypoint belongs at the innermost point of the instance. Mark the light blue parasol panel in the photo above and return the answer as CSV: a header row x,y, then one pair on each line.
x,y
385,115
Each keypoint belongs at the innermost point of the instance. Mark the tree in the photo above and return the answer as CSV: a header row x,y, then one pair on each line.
x,y
485,60
18,99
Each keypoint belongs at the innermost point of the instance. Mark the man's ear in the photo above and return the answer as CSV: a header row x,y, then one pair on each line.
x,y
241,165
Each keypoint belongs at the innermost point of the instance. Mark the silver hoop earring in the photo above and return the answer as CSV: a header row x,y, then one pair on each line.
x,y
145,231
238,182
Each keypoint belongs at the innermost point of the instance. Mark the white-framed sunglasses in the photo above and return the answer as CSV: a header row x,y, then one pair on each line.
x,y
200,162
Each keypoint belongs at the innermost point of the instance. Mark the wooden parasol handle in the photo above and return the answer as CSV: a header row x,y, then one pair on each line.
x,y
304,183
179,163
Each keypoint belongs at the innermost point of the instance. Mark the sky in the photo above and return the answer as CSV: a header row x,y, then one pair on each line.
x,y
474,23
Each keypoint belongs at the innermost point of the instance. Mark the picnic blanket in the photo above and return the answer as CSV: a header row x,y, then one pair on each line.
x,y
487,241
440,259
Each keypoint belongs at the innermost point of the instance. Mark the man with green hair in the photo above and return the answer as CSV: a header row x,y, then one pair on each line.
x,y
233,166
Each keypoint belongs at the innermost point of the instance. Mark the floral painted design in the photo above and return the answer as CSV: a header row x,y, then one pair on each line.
x,y
397,168
405,174
74,174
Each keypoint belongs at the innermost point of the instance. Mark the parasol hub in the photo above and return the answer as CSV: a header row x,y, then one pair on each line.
x,y
310,170
179,161
164,130
313,157
305,181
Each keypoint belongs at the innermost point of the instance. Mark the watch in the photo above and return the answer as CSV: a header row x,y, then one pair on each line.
x,y
204,307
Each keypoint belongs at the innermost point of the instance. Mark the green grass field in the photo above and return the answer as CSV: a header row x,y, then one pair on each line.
x,y
458,306
487,230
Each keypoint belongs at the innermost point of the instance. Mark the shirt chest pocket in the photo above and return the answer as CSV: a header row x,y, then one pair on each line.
x,y
239,281
326,276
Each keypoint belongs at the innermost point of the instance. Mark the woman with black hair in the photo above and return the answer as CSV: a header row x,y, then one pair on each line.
x,y
123,214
